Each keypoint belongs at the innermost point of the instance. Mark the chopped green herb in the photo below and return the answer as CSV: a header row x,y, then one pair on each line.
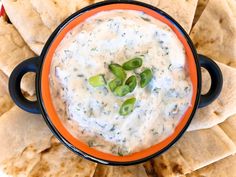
x,y
114,83
121,90
127,107
120,153
131,82
132,64
146,77
118,71
97,81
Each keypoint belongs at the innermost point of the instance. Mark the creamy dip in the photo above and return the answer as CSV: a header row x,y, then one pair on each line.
x,y
92,114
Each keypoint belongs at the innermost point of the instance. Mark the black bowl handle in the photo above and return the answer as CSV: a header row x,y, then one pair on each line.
x,y
29,65
216,80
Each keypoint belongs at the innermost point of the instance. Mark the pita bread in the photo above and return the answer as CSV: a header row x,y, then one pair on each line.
x,y
36,20
223,107
21,165
183,11
193,151
53,12
5,99
13,50
229,127
222,168
214,35
201,5
59,161
18,130
120,171
28,22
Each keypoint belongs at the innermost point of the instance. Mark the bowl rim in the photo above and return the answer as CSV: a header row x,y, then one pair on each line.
x,y
42,105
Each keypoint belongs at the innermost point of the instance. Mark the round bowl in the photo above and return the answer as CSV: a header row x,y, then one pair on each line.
x,y
41,66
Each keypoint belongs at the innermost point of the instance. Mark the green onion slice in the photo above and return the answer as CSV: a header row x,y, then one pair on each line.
x,y
127,107
97,81
118,71
131,82
121,90
114,84
132,64
146,77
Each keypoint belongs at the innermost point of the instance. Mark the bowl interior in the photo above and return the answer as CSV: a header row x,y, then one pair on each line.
x,y
54,118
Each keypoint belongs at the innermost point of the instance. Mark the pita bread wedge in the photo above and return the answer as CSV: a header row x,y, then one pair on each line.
x,y
53,12
193,151
22,164
13,50
183,11
5,99
120,171
229,127
214,34
18,130
28,22
222,168
59,161
35,20
223,107
201,5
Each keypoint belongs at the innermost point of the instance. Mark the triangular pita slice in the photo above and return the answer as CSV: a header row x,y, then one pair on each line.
x,y
120,171
18,130
60,161
5,99
223,107
214,34
13,50
193,151
21,165
36,20
222,168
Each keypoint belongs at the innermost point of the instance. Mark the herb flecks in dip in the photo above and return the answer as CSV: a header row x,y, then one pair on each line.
x,y
93,114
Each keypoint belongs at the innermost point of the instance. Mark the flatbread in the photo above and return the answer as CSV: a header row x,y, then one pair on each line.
x,y
183,11
120,171
193,151
222,168
223,107
214,34
36,20
18,130
59,161
13,50
5,99
229,127
21,165
201,5
53,12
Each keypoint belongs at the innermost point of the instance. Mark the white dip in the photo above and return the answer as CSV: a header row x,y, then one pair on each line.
x,y
92,114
